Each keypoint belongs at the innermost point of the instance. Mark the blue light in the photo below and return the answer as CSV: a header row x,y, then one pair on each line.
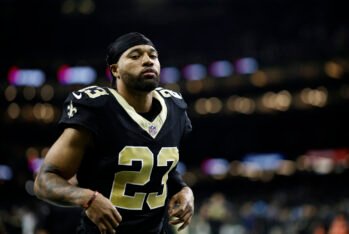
x,y
215,166
169,75
76,75
181,168
221,68
26,77
5,172
270,161
194,72
246,66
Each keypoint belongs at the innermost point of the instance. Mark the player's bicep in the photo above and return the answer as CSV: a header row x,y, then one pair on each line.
x,y
65,156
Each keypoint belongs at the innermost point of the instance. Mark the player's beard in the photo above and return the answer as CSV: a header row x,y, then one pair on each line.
x,y
141,83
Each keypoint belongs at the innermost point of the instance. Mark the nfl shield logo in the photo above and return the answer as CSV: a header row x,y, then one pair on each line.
x,y
152,130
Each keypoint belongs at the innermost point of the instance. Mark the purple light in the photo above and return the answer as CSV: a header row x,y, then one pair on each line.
x,y
194,72
215,166
108,74
35,164
221,68
62,74
76,75
246,66
12,74
169,75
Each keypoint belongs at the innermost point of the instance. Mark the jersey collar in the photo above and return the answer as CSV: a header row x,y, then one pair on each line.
x,y
151,127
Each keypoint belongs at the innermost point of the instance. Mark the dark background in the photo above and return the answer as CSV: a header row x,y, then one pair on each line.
x,y
276,34
283,36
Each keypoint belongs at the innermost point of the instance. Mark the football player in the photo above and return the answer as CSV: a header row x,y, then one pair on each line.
x,y
122,144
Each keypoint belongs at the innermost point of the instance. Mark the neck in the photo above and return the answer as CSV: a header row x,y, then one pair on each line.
x,y
140,101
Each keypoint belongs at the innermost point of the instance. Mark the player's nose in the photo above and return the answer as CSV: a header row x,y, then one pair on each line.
x,y
146,60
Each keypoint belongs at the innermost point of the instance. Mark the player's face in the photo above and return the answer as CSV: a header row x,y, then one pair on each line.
x,y
139,68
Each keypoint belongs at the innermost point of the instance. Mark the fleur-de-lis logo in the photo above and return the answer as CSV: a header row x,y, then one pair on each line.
x,y
71,110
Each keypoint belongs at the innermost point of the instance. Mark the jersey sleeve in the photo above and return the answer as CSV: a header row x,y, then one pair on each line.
x,y
178,101
83,109
175,182
175,97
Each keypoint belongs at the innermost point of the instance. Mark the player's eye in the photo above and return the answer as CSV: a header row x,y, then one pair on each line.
x,y
134,56
153,56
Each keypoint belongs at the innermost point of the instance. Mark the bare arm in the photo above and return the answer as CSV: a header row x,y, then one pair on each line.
x,y
60,165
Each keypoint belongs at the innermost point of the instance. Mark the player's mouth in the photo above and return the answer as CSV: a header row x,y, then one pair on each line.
x,y
149,72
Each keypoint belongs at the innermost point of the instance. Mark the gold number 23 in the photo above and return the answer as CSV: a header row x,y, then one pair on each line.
x,y
127,156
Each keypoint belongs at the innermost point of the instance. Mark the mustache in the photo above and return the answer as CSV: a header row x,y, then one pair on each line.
x,y
149,70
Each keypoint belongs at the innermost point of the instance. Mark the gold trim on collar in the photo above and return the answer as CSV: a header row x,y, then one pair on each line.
x,y
152,128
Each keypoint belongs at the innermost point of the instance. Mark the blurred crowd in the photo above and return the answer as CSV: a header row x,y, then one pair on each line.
x,y
219,215
216,214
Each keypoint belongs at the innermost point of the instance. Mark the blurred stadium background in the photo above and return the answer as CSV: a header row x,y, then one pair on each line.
x,y
268,93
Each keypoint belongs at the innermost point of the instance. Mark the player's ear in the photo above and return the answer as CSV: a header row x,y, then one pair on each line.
x,y
114,69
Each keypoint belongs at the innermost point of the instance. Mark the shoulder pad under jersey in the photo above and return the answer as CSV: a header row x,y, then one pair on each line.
x,y
93,96
172,95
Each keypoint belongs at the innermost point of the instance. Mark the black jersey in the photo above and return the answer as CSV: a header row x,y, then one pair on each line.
x,y
132,158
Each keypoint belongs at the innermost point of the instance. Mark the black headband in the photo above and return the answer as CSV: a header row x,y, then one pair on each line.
x,y
123,43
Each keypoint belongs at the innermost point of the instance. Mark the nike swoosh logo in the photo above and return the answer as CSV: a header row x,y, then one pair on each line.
x,y
77,96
